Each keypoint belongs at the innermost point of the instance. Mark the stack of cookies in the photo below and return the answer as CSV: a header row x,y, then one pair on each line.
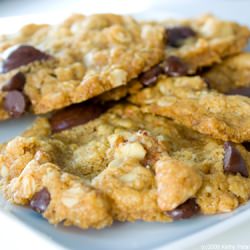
x,y
144,120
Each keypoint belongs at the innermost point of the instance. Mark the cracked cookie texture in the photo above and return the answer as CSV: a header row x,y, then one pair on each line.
x,y
213,39
198,43
189,102
78,59
125,165
96,162
232,73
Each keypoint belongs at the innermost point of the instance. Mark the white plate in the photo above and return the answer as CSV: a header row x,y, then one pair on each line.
x,y
139,235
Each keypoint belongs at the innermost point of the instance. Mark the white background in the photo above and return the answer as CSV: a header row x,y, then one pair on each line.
x,y
11,235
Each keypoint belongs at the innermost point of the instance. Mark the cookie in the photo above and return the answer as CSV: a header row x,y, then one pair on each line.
x,y
191,45
231,76
123,165
189,102
204,41
44,68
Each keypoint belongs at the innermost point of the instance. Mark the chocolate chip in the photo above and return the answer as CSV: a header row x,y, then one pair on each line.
x,y
23,55
150,77
174,66
15,83
246,144
176,35
233,161
75,115
15,103
40,200
185,210
245,91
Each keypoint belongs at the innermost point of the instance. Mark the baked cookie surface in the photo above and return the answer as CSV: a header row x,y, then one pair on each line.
x,y
191,45
189,102
205,40
55,66
123,165
231,76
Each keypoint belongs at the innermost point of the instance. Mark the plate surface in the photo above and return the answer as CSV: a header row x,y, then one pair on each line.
x,y
139,235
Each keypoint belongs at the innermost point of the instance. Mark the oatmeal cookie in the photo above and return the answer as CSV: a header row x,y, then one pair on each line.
x,y
231,76
191,45
121,165
51,67
205,40
188,101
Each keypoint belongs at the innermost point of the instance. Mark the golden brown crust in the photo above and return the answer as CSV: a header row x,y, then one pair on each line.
x,y
90,56
125,160
215,40
72,201
231,73
188,101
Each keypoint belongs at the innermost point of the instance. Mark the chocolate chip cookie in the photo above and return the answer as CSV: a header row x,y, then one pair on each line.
x,y
121,165
44,68
188,101
95,162
204,41
231,76
190,45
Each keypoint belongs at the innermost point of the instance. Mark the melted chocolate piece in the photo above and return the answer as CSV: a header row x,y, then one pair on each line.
x,y
174,66
244,91
15,83
15,103
176,35
185,210
23,55
75,115
150,77
233,161
40,200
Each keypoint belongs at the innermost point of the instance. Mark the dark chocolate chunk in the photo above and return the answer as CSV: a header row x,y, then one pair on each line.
x,y
246,144
185,210
23,55
40,200
15,83
15,103
245,91
75,115
150,77
233,161
174,66
176,35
